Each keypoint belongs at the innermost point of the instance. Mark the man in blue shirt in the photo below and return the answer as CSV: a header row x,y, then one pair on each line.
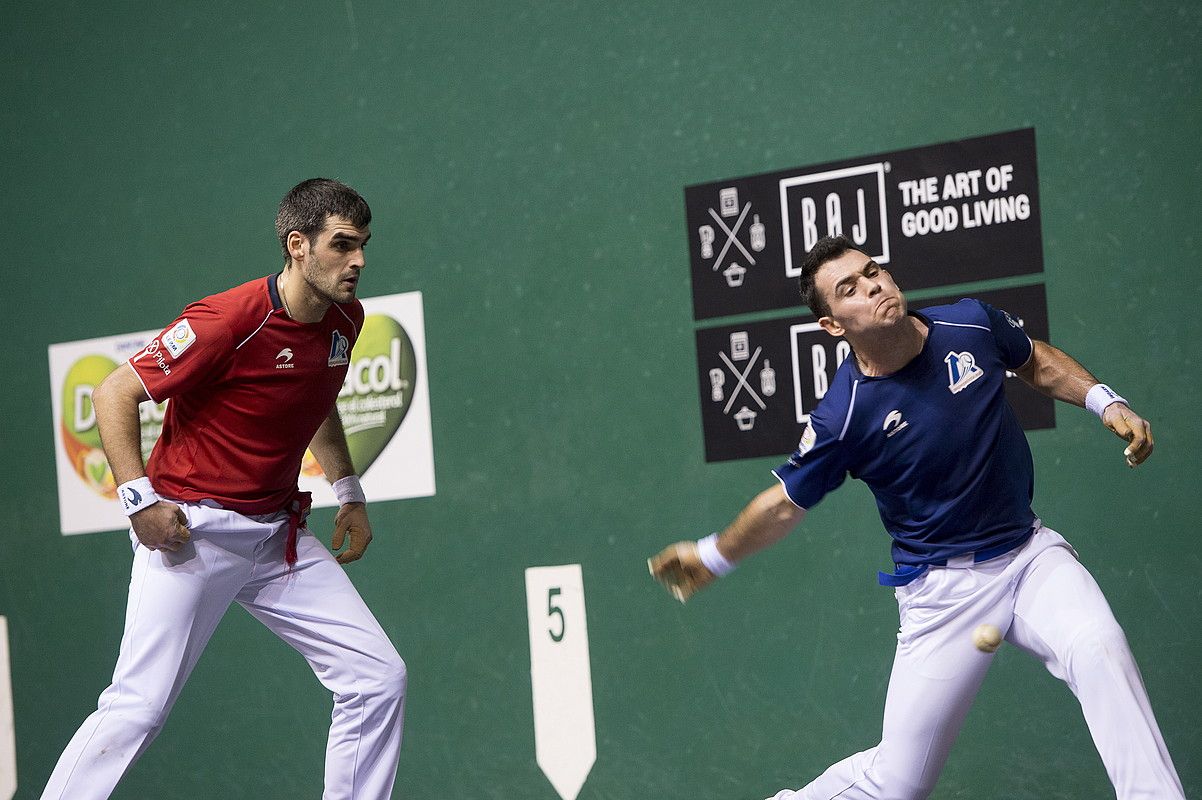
x,y
918,412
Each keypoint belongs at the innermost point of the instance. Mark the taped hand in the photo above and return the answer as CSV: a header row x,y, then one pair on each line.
x,y
351,520
161,526
678,567
1133,429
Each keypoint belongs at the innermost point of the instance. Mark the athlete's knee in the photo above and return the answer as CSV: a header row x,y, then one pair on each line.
x,y
901,785
146,713
145,719
909,791
396,677
387,677
897,776
884,772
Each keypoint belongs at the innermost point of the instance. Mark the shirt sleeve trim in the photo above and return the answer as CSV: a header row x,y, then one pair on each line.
x,y
354,327
256,330
963,325
1030,355
138,375
273,290
850,407
785,486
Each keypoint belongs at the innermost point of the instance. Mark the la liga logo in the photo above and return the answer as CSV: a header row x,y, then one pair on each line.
x,y
78,432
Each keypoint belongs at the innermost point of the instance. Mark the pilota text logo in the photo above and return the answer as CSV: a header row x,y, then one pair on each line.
x,y
153,351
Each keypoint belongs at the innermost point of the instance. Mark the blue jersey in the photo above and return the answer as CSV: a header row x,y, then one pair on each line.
x,y
936,442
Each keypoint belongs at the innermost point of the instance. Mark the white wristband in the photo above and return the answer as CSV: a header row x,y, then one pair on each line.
x,y
714,561
1099,396
349,490
136,495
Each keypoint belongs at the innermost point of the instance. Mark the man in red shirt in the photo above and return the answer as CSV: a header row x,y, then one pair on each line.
x,y
216,517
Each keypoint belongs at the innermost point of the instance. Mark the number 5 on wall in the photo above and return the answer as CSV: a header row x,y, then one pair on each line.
x,y
554,610
565,740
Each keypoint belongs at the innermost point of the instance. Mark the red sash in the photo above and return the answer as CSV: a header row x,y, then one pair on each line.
x,y
298,512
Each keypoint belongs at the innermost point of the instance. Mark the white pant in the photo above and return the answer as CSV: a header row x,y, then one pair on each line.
x,y
175,602
1048,605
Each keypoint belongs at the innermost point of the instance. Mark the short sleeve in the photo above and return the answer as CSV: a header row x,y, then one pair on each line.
x,y
1014,345
817,467
194,347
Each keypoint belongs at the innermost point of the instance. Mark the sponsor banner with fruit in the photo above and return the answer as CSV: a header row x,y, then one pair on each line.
x,y
384,404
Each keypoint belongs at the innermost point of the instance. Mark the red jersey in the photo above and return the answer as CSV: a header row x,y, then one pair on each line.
x,y
249,386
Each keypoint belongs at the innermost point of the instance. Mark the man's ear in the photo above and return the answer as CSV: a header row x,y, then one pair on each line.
x,y
298,245
830,326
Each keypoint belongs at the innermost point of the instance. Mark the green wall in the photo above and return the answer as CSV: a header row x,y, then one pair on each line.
x,y
525,163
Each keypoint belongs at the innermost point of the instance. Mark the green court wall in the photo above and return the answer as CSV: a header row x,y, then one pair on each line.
x,y
525,163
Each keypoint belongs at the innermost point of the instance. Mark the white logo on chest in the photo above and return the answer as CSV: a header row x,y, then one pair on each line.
x,y
962,370
894,423
286,356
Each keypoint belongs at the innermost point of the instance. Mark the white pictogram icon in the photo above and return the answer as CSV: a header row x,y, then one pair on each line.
x,y
728,201
768,379
706,234
745,418
732,238
740,345
741,379
717,380
758,240
739,351
734,274
728,207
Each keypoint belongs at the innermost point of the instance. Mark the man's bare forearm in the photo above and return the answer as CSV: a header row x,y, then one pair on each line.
x,y
116,402
330,449
767,519
1056,374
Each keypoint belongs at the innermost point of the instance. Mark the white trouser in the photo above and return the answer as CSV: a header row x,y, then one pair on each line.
x,y
1046,604
175,602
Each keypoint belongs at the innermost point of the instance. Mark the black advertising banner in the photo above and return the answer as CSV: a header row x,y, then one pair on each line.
x,y
936,216
759,381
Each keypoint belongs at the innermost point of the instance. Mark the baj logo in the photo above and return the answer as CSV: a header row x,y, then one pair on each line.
x,y
377,392
849,201
77,427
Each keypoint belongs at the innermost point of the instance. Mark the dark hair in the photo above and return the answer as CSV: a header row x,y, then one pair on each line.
x,y
826,249
307,205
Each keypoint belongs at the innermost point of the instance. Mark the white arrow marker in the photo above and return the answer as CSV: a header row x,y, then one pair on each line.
x,y
8,740
565,738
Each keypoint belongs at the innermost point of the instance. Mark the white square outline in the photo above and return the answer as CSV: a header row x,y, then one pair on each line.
x,y
847,172
794,330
